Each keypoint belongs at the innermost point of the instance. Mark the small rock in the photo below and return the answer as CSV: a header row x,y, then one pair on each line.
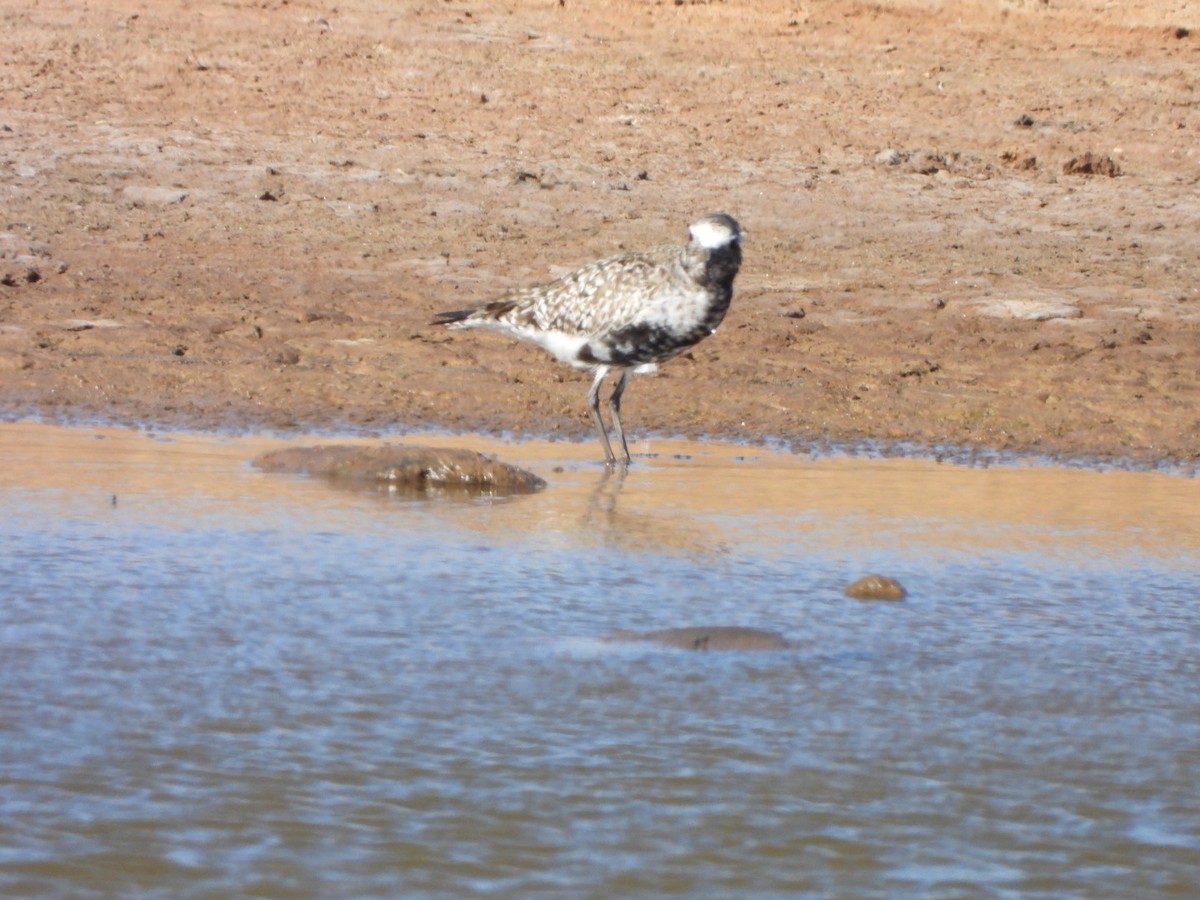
x,y
926,162
917,369
1091,164
324,315
286,356
889,158
876,587
1018,158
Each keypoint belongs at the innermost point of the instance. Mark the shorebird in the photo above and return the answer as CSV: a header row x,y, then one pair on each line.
x,y
627,312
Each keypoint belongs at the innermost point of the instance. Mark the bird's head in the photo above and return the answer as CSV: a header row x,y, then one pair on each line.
x,y
715,231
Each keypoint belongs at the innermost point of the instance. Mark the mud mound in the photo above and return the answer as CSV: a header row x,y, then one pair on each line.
x,y
405,468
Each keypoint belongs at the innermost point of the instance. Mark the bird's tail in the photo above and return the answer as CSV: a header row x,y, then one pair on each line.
x,y
451,316
493,310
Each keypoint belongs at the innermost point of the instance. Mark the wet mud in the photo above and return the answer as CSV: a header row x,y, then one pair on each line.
x,y
968,225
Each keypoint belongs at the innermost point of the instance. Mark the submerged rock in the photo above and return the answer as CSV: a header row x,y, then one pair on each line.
x,y
876,587
406,468
721,637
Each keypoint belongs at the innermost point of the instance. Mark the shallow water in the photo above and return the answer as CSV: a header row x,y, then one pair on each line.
x,y
217,682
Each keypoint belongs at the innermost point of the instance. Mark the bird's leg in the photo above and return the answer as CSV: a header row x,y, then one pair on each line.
x,y
594,405
614,406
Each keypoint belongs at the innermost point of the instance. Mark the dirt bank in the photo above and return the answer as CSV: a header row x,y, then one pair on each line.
x,y
242,215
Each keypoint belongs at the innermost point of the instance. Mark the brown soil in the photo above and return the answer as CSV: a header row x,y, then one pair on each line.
x,y
243,215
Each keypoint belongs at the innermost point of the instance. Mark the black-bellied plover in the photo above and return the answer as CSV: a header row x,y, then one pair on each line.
x,y
628,312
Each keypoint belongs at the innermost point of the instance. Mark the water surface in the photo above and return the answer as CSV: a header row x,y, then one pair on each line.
x,y
217,682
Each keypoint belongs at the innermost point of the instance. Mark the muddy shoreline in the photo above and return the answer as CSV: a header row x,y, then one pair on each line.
x,y
968,234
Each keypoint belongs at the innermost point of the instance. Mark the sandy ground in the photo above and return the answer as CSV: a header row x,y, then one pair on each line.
x,y
242,215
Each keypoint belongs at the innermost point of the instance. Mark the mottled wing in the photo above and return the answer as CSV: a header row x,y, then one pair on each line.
x,y
601,297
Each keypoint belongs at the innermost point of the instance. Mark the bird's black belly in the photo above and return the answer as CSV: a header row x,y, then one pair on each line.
x,y
637,344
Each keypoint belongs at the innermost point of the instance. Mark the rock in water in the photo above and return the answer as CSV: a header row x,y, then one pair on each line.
x,y
876,587
406,468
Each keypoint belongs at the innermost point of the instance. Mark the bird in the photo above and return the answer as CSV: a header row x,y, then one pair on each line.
x,y
627,312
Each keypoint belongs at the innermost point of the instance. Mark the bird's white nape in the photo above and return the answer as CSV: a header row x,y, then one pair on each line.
x,y
711,233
